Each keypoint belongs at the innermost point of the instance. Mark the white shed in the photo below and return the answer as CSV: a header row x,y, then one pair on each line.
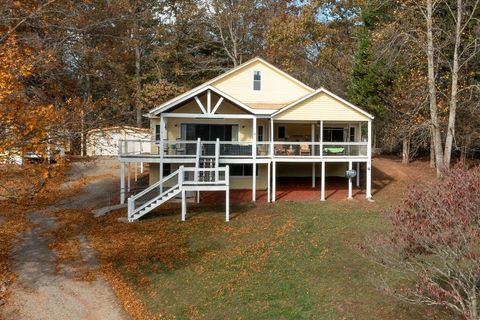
x,y
104,141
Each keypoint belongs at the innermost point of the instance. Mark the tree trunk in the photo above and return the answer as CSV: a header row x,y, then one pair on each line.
x,y
432,92
138,85
432,151
454,90
406,151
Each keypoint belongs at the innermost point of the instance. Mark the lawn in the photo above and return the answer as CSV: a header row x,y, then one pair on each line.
x,y
289,260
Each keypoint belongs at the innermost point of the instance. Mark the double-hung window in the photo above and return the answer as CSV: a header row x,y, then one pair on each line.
x,y
257,80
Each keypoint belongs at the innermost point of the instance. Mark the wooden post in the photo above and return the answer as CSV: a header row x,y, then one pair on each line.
x,y
274,181
313,174
141,167
268,181
136,169
322,187
217,158
369,162
321,138
122,182
227,194
254,155
358,174
350,182
184,205
128,176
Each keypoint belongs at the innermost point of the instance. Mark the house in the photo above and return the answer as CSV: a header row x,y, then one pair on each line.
x,y
104,141
243,130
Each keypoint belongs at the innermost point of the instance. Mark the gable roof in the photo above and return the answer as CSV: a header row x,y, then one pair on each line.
x,y
318,91
192,93
223,75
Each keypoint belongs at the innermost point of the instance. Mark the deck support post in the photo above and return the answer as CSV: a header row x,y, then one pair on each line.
x,y
274,181
321,138
227,194
358,174
135,165
350,182
254,155
369,162
162,147
128,176
322,187
313,174
122,182
141,167
184,205
269,180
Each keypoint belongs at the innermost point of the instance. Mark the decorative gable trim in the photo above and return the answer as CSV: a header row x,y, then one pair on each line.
x,y
323,90
210,82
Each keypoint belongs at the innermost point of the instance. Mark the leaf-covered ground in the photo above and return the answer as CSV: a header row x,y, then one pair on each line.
x,y
289,260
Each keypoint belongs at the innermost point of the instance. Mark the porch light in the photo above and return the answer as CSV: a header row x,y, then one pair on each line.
x,y
350,174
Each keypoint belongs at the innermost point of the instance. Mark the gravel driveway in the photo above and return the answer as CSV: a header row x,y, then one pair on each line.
x,y
41,292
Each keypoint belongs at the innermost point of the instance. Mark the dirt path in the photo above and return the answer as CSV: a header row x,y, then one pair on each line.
x,y
41,292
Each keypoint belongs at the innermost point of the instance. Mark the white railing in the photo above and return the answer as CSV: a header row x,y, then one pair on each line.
x,y
240,149
184,176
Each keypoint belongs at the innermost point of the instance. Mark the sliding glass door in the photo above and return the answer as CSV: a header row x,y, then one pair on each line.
x,y
209,132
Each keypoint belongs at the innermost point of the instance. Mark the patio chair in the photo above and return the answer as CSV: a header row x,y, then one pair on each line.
x,y
305,150
279,149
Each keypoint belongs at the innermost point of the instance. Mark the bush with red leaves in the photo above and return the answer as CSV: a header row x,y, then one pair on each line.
x,y
435,240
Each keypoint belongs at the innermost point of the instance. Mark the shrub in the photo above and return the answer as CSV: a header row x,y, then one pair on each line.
x,y
434,240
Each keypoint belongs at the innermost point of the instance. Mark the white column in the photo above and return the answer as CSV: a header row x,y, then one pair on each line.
x,y
274,180
227,194
369,162
184,205
122,182
312,151
358,174
136,169
141,167
128,176
313,175
321,138
268,181
254,155
350,182
162,147
322,187
271,137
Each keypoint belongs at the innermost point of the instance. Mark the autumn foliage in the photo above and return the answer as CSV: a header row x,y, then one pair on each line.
x,y
434,241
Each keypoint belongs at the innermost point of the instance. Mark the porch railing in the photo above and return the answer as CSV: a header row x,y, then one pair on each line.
x,y
188,148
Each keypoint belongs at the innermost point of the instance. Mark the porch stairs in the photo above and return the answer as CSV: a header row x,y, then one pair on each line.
x,y
206,175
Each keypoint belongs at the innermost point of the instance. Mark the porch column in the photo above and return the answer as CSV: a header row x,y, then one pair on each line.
x,y
254,155
136,169
369,161
322,192
268,180
274,180
122,182
184,205
350,182
313,174
162,147
358,174
313,139
128,176
321,138
271,138
227,194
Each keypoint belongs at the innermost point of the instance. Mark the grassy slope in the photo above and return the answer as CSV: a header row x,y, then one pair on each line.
x,y
290,260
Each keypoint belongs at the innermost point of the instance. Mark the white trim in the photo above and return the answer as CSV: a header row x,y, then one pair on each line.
x,y
322,90
253,80
219,102
182,98
208,83
207,116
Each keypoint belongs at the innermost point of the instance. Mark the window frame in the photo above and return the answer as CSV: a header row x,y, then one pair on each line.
x,y
259,81
284,132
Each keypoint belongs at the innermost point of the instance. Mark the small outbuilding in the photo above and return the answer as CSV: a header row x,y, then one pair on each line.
x,y
105,141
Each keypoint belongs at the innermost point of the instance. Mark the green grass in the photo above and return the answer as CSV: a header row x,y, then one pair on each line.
x,y
289,260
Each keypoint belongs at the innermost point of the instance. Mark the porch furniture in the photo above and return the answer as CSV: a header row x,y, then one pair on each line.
x,y
304,150
334,150
178,148
279,149
290,151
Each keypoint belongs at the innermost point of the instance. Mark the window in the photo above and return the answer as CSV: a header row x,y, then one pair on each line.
x,y
157,132
209,132
333,135
281,132
260,133
241,170
352,134
257,80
